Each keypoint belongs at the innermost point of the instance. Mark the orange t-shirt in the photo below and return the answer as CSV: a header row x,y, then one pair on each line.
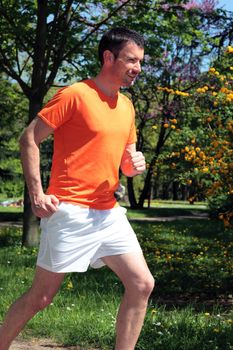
x,y
91,131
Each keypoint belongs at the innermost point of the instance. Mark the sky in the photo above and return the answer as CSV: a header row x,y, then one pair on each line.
x,y
226,4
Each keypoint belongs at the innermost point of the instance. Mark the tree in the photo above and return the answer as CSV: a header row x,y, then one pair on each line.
x,y
206,153
179,37
13,117
37,37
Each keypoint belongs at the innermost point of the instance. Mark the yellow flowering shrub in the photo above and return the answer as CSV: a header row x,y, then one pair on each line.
x,y
206,157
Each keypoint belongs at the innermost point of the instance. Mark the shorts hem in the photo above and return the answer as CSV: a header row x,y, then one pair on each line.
x,y
68,270
99,262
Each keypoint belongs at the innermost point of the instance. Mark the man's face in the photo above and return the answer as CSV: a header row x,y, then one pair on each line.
x,y
127,65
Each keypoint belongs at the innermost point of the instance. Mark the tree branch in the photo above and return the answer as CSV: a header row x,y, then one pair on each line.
x,y
60,51
40,44
18,34
6,66
70,52
59,55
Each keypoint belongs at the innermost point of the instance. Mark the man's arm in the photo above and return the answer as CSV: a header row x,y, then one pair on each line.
x,y
133,162
42,205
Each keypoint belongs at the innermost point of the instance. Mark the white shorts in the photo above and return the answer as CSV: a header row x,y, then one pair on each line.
x,y
74,238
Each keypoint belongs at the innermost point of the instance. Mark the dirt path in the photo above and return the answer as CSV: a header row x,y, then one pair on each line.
x,y
41,344
36,344
203,216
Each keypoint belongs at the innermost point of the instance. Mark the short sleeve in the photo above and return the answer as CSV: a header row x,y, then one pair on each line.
x,y
59,109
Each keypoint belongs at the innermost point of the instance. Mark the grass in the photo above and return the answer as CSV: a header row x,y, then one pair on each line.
x,y
11,214
169,208
190,308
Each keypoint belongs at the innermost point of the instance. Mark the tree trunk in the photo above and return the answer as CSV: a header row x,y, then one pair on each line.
x,y
147,186
30,236
131,194
175,188
183,192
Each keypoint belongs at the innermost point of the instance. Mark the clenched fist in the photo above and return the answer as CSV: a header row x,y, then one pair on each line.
x,y
44,205
133,163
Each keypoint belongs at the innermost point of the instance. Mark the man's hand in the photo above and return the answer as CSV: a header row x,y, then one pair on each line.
x,y
138,162
133,163
44,205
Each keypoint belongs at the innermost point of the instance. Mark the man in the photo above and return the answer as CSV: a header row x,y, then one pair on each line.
x,y
81,222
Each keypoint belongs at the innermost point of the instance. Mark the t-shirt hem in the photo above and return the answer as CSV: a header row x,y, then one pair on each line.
x,y
98,207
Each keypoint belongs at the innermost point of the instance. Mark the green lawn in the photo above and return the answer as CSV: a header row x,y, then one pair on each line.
x,y
167,208
190,309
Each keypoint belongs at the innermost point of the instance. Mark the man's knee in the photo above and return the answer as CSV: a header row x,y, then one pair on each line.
x,y
39,301
147,286
44,301
142,287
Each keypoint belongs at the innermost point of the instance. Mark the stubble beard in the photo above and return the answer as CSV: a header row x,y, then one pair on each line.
x,y
128,83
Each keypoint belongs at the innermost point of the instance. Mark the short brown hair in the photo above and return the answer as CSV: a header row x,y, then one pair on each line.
x,y
115,39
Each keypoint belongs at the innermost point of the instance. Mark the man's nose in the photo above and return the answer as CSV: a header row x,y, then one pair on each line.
x,y
138,67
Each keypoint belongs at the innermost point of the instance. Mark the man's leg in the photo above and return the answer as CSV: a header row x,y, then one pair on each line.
x,y
40,295
132,270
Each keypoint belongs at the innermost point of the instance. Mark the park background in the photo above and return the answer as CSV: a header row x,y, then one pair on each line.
x,y
181,208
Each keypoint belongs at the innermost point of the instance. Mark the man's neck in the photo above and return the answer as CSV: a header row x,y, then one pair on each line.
x,y
105,84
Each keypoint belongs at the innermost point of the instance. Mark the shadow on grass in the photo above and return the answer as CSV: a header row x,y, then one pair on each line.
x,y
12,216
190,260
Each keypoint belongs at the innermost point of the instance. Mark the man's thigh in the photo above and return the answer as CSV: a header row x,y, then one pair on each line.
x,y
46,282
131,268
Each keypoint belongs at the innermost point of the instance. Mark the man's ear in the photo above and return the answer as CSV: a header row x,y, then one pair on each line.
x,y
108,56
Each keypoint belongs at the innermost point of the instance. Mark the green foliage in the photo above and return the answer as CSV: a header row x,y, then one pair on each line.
x,y
202,153
13,119
220,203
